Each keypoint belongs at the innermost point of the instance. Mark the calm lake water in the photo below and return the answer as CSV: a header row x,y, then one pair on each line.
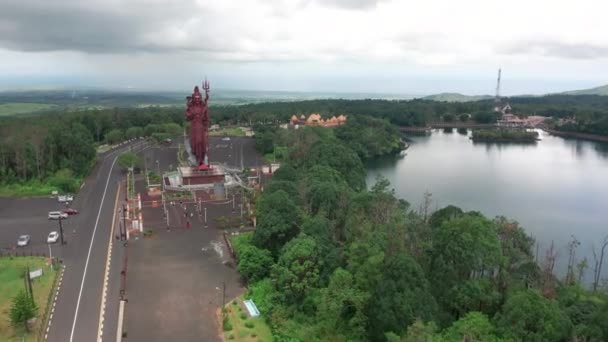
x,y
555,188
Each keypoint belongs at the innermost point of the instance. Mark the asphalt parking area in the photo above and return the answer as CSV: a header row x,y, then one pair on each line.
x,y
175,277
30,217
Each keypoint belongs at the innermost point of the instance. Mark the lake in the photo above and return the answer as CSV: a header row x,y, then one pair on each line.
x,y
554,188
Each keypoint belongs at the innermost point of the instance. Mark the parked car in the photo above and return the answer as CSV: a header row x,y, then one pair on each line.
x,y
70,211
56,215
65,198
53,237
23,240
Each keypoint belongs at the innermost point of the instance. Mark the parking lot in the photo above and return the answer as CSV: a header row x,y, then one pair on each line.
x,y
176,276
30,217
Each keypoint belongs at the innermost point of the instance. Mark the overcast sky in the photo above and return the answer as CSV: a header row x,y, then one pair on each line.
x,y
408,47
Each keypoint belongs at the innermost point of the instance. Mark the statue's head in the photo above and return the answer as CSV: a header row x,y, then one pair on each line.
x,y
196,95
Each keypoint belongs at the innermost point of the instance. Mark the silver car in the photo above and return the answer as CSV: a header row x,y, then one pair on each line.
x,y
23,240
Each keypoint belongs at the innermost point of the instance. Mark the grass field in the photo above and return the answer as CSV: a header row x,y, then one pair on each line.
x,y
11,282
13,108
28,189
243,327
228,132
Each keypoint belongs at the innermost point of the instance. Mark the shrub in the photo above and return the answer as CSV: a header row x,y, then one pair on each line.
x,y
231,337
243,315
227,325
249,324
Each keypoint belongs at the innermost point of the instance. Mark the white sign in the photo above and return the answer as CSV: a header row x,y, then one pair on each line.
x,y
35,274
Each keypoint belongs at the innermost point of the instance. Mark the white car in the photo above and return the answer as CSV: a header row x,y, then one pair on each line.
x,y
53,237
56,215
23,240
65,198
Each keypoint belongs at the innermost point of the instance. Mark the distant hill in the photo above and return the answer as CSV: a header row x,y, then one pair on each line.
x,y
601,90
456,97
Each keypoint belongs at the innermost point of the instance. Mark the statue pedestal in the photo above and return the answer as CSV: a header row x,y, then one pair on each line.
x,y
194,178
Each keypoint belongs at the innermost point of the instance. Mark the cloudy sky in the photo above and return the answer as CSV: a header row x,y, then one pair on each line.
x,y
406,47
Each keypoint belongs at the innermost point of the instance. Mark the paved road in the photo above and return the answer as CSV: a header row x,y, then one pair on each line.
x,y
77,312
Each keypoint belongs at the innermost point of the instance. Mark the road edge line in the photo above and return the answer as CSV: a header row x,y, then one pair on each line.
x,y
104,289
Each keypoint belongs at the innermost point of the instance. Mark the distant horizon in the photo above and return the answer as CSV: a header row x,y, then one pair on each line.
x,y
176,90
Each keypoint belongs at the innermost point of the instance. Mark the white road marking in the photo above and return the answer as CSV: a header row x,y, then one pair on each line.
x,y
102,310
48,327
86,265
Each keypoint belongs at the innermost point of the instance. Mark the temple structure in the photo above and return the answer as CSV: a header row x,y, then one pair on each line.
x,y
315,119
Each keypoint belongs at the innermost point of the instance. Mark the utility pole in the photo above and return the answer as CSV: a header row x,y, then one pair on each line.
x,y
205,217
29,282
61,230
233,203
124,223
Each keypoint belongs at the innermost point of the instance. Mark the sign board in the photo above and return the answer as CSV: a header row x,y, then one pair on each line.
x,y
36,273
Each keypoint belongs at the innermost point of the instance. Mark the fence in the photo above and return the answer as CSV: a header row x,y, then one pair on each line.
x,y
18,253
41,331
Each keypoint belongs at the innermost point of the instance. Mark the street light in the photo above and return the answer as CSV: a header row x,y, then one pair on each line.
x,y
205,217
61,231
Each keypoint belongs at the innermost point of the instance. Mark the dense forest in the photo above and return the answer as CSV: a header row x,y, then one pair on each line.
x,y
56,150
61,144
333,261
590,111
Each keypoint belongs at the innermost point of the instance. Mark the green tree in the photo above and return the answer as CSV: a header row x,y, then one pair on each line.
x,y
254,263
134,132
115,136
127,160
173,129
528,316
278,218
297,271
474,327
444,214
342,306
285,173
465,251
64,180
422,332
399,297
339,157
23,309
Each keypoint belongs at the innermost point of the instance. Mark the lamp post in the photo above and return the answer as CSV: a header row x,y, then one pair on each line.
x,y
61,230
205,217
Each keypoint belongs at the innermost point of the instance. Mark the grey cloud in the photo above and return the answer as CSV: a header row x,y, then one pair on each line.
x,y
580,51
99,27
351,4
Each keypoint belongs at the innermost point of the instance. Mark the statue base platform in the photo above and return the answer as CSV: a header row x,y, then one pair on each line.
x,y
190,178
193,176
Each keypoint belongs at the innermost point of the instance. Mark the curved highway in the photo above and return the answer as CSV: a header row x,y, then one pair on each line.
x,y
77,311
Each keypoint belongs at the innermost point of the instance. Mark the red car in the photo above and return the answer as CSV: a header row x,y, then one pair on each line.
x,y
70,211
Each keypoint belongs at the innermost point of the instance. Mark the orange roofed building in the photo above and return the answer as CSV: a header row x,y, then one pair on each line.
x,y
315,119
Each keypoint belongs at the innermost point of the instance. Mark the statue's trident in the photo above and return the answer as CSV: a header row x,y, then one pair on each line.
x,y
206,87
